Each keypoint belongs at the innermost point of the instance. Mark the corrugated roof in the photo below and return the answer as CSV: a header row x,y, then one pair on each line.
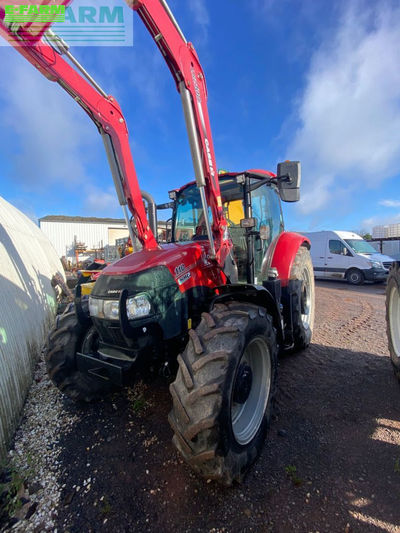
x,y
92,220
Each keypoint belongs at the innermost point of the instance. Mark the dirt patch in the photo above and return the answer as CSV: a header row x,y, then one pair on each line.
x,y
331,462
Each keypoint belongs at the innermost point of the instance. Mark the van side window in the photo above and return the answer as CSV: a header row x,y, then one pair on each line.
x,y
337,247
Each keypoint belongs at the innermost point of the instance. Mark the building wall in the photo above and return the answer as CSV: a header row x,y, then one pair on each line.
x,y
390,248
27,264
94,235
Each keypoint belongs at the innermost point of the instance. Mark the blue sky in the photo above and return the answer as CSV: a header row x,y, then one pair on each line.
x,y
313,80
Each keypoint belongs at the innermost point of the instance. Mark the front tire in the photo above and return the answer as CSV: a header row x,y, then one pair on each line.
x,y
355,277
66,338
224,390
393,317
303,305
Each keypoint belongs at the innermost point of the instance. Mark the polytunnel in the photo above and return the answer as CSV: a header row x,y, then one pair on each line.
x,y
27,307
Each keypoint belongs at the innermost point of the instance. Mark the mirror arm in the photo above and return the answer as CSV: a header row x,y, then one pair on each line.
x,y
286,178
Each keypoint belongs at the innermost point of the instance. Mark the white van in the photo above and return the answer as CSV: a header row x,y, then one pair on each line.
x,y
345,255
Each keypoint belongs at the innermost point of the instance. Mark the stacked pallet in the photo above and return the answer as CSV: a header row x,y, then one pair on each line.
x,y
394,230
380,232
386,232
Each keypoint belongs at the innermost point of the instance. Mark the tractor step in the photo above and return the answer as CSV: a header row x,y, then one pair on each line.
x,y
99,369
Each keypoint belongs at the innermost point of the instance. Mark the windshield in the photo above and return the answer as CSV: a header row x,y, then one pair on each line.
x,y
360,246
190,221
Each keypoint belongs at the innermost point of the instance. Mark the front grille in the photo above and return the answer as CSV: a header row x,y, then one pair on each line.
x,y
387,264
110,334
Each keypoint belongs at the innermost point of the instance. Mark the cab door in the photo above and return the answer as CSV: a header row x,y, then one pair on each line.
x,y
338,259
267,212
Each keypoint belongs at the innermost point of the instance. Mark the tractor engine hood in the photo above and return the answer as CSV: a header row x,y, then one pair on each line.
x,y
189,264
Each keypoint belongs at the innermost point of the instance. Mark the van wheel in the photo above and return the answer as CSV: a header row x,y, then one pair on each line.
x,y
355,277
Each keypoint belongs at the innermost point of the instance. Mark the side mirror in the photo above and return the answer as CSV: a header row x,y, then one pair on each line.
x,y
289,178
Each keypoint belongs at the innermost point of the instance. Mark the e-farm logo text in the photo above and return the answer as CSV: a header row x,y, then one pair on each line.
x,y
84,23
34,13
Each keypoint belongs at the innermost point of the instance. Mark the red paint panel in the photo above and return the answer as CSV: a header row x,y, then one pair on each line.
x,y
285,251
189,264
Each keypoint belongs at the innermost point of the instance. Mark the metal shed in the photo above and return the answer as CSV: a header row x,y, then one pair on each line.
x,y
95,233
27,264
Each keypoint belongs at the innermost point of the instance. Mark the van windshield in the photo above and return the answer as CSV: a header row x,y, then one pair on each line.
x,y
360,246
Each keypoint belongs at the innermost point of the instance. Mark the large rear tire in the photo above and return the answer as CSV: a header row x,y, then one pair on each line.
x,y
393,317
224,390
66,338
303,306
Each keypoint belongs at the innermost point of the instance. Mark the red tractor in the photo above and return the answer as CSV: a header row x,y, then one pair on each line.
x,y
223,299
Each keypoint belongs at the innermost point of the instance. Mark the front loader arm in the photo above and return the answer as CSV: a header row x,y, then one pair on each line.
x,y
188,74
104,112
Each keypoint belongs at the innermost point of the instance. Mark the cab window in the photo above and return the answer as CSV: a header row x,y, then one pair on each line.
x,y
338,248
190,223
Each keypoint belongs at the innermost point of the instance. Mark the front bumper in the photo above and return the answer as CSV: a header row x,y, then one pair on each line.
x,y
375,274
116,372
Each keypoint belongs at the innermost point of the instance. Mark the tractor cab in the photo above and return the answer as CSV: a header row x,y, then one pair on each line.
x,y
252,209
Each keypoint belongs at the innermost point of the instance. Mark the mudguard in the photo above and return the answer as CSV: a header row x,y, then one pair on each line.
x,y
286,248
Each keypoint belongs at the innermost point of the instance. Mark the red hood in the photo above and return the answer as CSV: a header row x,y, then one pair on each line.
x,y
189,264
169,255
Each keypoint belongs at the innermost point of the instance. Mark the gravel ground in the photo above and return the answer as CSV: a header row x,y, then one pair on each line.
x,y
331,461
34,458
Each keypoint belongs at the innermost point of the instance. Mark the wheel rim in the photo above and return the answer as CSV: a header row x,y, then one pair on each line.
x,y
306,299
246,417
394,319
354,277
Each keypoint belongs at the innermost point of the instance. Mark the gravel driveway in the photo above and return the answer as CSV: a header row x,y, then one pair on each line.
x,y
331,462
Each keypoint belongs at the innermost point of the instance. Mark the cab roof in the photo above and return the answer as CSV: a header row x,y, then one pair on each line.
x,y
225,174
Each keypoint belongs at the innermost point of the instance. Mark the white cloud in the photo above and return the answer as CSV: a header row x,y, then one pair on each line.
x,y
380,220
390,203
202,19
54,135
349,112
101,202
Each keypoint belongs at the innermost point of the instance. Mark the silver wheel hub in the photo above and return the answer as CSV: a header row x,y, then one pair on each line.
x,y
306,298
251,391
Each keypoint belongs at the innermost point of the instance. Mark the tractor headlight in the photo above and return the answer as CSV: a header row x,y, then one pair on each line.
x,y
111,309
138,306
95,306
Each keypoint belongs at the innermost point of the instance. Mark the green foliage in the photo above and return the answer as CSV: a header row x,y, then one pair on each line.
x,y
10,491
105,508
291,471
138,404
12,481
